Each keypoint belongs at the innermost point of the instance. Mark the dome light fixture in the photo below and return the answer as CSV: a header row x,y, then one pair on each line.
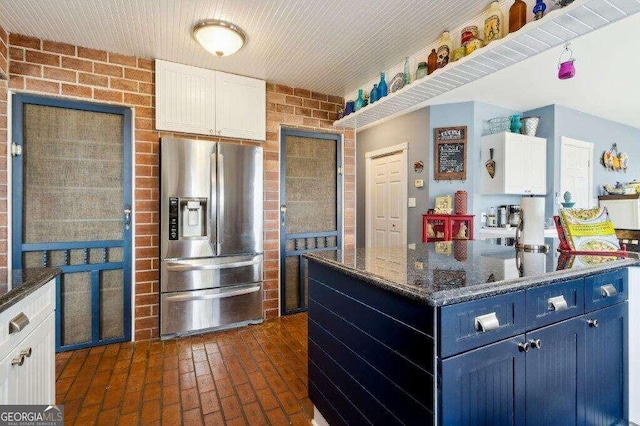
x,y
219,37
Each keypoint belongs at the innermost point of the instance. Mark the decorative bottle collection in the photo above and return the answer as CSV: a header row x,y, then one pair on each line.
x,y
495,27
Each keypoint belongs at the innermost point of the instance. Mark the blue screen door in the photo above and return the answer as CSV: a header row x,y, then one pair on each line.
x,y
71,209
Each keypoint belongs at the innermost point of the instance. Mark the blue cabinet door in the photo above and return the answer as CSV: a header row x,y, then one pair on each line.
x,y
484,386
555,374
606,365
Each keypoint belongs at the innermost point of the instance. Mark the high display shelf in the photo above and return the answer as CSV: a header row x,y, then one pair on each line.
x,y
554,29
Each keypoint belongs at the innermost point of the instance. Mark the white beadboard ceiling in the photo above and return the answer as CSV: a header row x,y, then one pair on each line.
x,y
329,46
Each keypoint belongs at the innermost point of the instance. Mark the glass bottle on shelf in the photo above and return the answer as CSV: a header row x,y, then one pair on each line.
x,y
373,95
421,71
432,61
359,103
494,23
407,71
517,16
383,90
445,49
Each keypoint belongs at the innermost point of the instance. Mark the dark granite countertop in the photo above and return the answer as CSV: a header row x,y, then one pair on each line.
x,y
23,283
443,273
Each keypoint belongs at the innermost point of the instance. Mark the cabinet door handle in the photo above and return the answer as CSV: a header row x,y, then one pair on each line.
x,y
593,323
608,290
18,323
535,343
557,303
26,352
524,347
18,361
486,322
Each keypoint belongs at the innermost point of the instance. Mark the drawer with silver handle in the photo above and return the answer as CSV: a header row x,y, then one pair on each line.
x,y
469,325
606,289
554,302
25,316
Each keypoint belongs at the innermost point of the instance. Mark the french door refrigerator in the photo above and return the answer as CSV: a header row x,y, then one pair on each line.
x,y
211,236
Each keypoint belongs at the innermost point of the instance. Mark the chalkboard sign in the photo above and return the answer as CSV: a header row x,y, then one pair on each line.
x,y
450,153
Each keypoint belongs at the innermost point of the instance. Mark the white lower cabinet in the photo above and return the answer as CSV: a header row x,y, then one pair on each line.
x,y
27,368
27,374
520,164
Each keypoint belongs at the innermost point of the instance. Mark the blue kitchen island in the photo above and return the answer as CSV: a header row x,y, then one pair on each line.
x,y
467,332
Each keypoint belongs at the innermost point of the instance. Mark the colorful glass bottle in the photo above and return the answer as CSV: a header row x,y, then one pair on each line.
x,y
517,16
538,9
373,95
407,71
359,103
383,90
432,61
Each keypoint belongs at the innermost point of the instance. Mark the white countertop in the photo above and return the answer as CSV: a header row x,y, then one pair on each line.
x,y
486,233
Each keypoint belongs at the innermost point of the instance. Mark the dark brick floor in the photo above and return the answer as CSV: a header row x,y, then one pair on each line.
x,y
249,376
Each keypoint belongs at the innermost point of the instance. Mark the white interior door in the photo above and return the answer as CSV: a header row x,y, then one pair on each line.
x,y
386,195
576,170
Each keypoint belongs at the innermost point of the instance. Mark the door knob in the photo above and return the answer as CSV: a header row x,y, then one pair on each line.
x,y
127,217
524,347
535,343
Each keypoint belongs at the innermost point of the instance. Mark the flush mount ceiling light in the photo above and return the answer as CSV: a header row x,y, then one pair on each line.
x,y
219,37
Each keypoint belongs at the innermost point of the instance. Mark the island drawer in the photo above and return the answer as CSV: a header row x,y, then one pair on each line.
x,y
554,302
469,325
606,289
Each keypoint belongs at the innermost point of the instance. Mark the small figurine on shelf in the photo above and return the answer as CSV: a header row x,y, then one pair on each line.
x,y
567,200
430,232
462,231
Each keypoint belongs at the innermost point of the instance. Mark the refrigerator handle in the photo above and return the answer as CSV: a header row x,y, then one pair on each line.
x,y
183,267
213,201
220,207
188,297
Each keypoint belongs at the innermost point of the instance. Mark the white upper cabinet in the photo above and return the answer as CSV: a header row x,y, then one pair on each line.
x,y
208,102
185,98
240,106
520,164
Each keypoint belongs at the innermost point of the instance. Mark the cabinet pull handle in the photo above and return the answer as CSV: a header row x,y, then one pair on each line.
x,y
487,322
557,303
593,323
18,361
608,290
26,352
524,347
535,343
18,323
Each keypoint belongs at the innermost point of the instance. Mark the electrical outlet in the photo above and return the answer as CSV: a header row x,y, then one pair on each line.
x,y
419,183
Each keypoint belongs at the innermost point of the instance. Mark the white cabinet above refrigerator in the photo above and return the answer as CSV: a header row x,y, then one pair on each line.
x,y
203,101
520,164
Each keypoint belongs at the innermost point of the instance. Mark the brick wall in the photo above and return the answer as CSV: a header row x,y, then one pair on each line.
x,y
65,70
4,244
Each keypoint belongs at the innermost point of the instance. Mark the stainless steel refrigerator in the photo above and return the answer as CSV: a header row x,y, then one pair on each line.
x,y
211,236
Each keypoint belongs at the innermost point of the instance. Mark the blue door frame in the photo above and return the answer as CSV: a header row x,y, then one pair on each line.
x,y
18,247
299,249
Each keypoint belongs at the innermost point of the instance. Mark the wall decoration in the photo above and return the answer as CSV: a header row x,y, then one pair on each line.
x,y
443,205
418,166
615,161
450,145
491,164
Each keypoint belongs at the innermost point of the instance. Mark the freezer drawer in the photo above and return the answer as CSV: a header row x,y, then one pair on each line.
x,y
213,272
192,311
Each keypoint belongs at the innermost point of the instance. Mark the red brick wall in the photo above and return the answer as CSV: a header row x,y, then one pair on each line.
x,y
4,41
70,71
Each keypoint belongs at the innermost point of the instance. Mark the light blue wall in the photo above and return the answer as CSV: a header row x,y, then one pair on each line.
x,y
557,121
